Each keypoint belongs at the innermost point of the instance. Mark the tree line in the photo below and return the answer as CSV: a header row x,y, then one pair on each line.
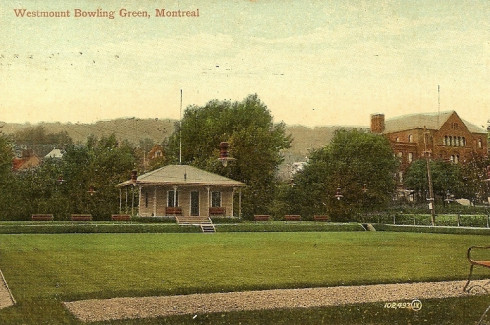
x,y
352,176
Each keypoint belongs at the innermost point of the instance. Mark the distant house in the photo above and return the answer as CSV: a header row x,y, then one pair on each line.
x,y
185,190
27,161
55,153
155,152
444,135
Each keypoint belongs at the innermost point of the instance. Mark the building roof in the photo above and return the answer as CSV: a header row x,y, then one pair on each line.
x,y
25,163
182,175
432,121
55,153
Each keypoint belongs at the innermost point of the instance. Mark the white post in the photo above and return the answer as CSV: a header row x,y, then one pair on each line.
x,y
155,202
132,200
120,200
139,198
175,201
240,203
126,210
232,197
209,202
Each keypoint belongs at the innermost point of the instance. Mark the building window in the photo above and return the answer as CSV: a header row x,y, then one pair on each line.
x,y
146,199
172,200
216,199
480,143
464,141
410,157
399,154
450,140
410,138
452,158
456,159
446,140
397,139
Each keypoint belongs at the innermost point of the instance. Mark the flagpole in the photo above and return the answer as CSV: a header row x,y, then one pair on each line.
x,y
180,130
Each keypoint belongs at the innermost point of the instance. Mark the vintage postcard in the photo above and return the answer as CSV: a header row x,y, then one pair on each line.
x,y
337,152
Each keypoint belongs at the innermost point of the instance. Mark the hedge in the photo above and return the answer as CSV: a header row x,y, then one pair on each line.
x,y
437,229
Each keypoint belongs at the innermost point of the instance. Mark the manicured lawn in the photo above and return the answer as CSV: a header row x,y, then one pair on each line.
x,y
43,270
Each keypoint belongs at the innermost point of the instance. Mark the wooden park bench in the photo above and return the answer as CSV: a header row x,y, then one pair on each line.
x,y
173,211
81,217
42,217
217,211
292,217
121,217
261,217
473,263
321,218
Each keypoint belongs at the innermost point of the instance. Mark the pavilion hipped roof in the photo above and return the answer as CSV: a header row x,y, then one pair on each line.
x,y
182,175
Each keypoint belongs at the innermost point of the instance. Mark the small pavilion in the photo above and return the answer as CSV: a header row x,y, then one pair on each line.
x,y
183,190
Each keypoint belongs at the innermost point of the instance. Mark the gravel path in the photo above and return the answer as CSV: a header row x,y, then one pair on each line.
x,y
143,307
6,299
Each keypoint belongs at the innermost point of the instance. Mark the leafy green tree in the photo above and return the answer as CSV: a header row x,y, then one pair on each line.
x,y
62,186
446,178
474,174
357,165
7,191
100,166
255,142
6,155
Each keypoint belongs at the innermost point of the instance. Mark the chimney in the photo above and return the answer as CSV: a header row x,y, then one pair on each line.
x,y
223,149
377,123
134,176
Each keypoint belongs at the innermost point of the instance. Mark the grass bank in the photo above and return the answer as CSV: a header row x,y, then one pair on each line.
x,y
44,270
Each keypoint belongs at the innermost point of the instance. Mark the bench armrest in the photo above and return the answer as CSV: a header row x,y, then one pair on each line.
x,y
468,254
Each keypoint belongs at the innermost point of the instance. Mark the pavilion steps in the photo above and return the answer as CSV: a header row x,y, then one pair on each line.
x,y
206,228
204,222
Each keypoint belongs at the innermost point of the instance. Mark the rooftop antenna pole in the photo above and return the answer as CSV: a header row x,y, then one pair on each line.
x,y
180,130
438,103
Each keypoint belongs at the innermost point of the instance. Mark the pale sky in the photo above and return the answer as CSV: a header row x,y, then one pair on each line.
x,y
312,62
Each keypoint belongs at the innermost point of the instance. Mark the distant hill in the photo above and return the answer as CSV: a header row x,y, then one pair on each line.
x,y
135,129
132,129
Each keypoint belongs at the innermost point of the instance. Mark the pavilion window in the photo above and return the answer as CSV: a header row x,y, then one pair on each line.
x,y
216,199
171,202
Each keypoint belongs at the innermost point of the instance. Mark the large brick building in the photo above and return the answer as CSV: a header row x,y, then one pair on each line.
x,y
445,135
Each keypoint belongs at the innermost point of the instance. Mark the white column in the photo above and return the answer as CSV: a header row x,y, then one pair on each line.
x,y
239,203
139,198
175,200
209,204
132,200
232,199
126,210
155,202
120,200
